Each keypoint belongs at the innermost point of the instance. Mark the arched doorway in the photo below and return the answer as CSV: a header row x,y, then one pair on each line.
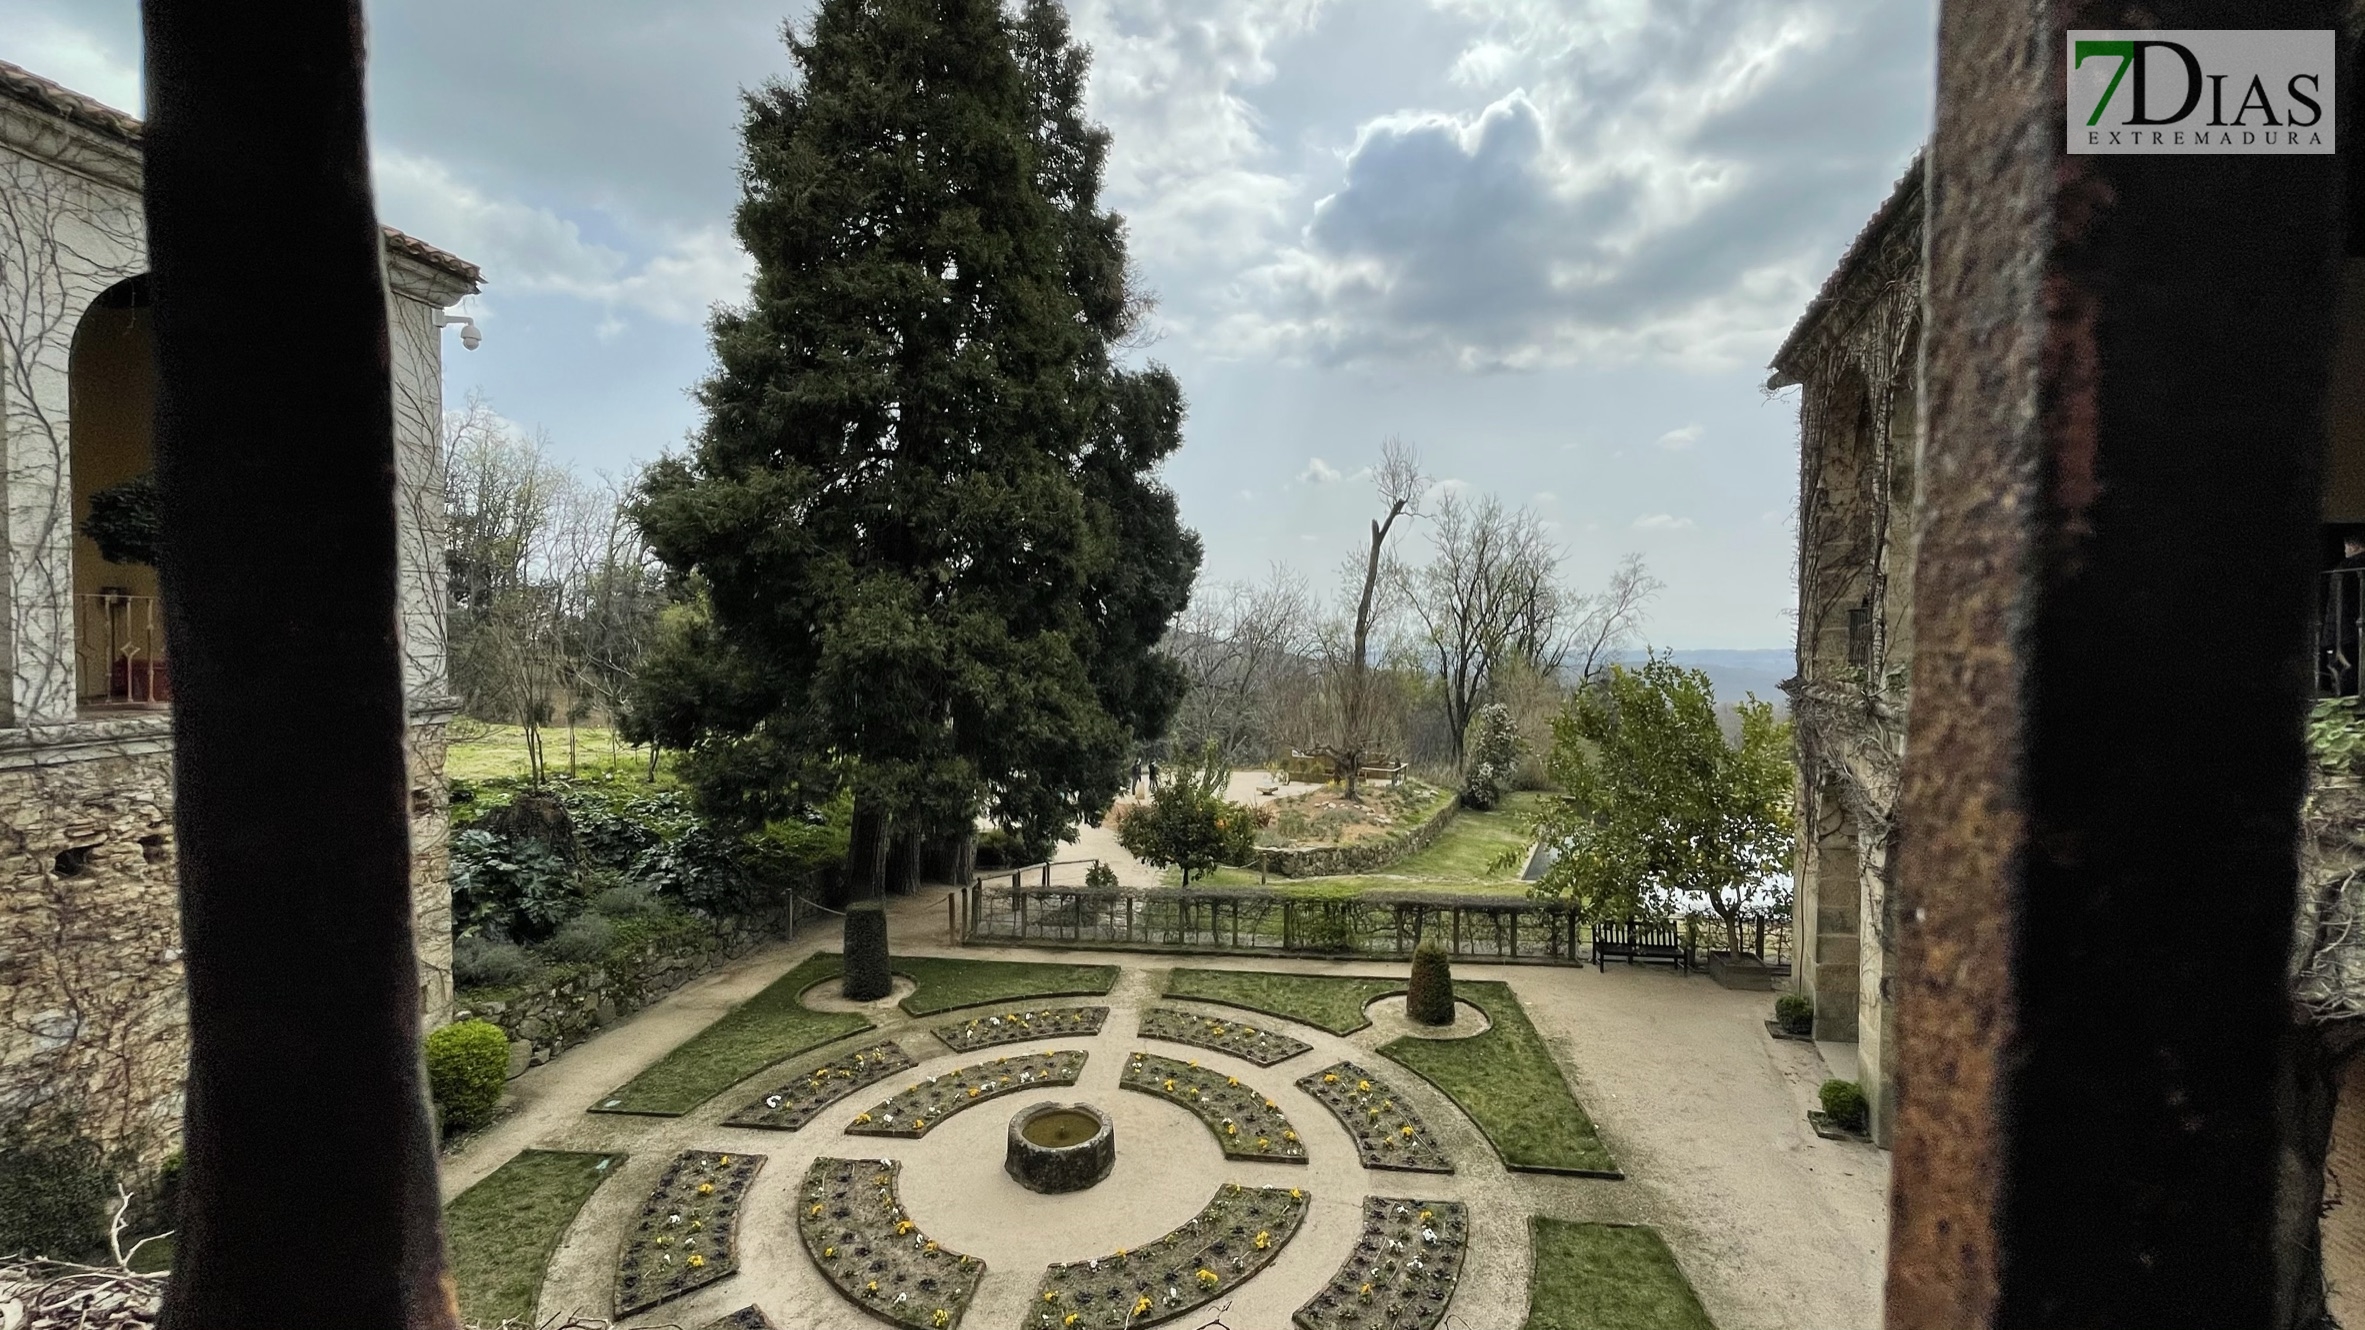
x,y
119,657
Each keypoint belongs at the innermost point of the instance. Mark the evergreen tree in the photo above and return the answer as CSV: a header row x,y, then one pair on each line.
x,y
922,526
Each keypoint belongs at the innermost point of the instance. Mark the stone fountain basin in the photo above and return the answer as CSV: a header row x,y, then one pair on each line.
x,y
1060,1147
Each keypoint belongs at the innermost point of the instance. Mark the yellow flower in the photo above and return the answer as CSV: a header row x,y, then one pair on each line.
x,y
829,1253
1120,1253
816,1210
873,1287
942,1317
1424,1216
1170,1085
1407,1130
1330,1078
1363,1087
1270,1104
1142,1304
1296,1195
862,1117
1231,1080
931,1245
696,1260
722,1159
1071,1318
1263,1240
1363,1292
1209,1277
902,1227
706,1189
1050,1295
1289,1136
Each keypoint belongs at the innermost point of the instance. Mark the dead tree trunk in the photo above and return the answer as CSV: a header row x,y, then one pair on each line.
x,y
311,1186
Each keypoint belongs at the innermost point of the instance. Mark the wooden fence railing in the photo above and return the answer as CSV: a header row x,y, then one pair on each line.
x,y
1002,909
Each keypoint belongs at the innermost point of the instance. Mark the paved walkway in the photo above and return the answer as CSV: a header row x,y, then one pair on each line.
x,y
1775,1227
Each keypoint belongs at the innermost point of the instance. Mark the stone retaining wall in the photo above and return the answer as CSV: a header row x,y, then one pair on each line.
x,y
1362,857
569,1006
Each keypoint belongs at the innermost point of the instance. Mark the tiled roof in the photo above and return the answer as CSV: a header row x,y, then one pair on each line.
x,y
26,86
1907,192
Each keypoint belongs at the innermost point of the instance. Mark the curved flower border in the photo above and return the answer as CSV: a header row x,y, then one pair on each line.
x,y
851,1216
801,1100
1234,1236
911,1111
1237,1038
1011,1027
686,1236
1388,1134
1246,1123
1402,1272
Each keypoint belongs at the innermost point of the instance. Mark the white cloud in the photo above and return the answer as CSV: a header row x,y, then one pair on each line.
x,y
1663,522
1543,496
535,250
68,53
1318,472
1676,440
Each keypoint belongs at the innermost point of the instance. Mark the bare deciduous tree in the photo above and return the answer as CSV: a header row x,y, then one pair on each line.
x,y
1609,619
1399,483
1486,595
1245,648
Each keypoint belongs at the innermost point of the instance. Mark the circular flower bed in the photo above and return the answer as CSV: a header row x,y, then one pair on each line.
x,y
1010,1027
1388,1134
685,1236
912,1111
1241,1040
1246,1124
801,1100
1217,1250
1401,1274
856,1231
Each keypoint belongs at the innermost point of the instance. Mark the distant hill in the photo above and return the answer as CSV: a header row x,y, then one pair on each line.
x,y
1736,674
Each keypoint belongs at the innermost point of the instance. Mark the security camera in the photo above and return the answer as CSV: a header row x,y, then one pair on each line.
x,y
470,337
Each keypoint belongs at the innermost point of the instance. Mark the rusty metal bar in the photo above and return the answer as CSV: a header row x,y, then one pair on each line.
x,y
2125,364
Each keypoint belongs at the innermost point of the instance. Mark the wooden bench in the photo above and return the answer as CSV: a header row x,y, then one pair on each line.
x,y
1652,944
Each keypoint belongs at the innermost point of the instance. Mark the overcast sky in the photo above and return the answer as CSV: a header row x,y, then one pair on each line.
x,y
1551,242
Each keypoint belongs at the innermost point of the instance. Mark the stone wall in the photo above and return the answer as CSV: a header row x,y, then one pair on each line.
x,y
1362,857
93,1012
572,1003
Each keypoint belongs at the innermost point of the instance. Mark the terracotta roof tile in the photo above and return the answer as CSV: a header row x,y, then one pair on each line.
x,y
26,86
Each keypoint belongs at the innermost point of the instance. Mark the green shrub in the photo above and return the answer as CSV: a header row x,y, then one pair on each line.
x,y
514,888
1843,1102
868,977
467,1064
626,902
55,1188
1795,1013
1101,877
583,938
482,963
1490,750
1430,998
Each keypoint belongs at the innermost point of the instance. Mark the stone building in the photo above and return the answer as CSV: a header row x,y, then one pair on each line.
x,y
92,1014
1853,357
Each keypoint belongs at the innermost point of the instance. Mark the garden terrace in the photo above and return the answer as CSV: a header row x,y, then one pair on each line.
x,y
1271,920
1387,1133
1246,1124
1506,1081
802,1099
1402,1272
1234,1037
1238,1233
687,1234
1012,1027
912,1111
503,1230
1326,1002
946,983
852,1219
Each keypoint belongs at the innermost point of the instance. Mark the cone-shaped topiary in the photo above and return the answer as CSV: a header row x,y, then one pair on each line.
x,y
1430,999
867,977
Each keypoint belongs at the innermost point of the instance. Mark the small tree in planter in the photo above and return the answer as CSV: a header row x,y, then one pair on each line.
x,y
1429,1000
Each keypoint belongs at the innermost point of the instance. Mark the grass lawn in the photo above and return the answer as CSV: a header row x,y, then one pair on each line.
x,y
948,982
1457,862
1509,1085
480,751
502,1231
1607,1277
1326,1002
767,1028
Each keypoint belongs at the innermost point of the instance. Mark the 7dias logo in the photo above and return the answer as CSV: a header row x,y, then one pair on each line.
x,y
2166,93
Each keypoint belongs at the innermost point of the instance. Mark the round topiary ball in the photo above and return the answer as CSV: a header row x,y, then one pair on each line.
x,y
467,1064
1429,1000
1843,1102
1795,1013
867,977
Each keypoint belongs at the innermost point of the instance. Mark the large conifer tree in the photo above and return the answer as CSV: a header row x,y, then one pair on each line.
x,y
922,521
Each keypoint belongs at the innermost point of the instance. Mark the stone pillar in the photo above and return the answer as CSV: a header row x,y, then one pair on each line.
x,y
1829,914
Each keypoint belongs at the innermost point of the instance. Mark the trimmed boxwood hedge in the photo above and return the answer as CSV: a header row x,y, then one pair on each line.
x,y
467,1064
1429,998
